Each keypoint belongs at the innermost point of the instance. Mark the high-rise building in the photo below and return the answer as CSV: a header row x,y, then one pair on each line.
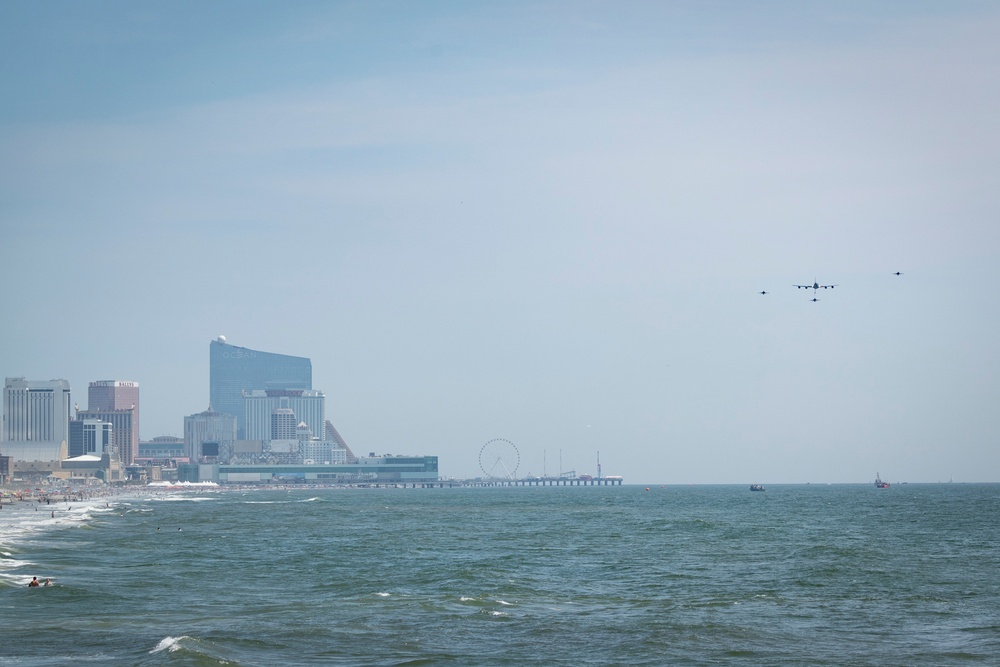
x,y
116,401
235,370
207,426
89,436
308,406
121,432
283,424
35,420
113,395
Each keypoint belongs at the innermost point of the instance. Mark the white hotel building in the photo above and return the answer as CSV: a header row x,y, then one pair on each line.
x,y
35,420
308,405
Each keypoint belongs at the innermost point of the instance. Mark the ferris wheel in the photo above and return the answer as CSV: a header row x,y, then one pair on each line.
x,y
499,458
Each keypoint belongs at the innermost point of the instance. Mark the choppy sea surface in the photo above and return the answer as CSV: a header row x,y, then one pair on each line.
x,y
672,575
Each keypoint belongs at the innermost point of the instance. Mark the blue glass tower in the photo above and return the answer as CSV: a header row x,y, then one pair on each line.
x,y
234,370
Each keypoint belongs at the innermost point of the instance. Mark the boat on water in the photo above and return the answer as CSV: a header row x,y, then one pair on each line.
x,y
880,483
757,487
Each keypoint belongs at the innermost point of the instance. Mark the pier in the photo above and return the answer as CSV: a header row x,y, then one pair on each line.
x,y
528,481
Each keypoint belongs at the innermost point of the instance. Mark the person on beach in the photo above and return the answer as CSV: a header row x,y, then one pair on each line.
x,y
33,582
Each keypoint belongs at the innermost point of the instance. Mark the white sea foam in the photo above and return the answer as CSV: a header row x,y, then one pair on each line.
x,y
9,580
26,521
382,595
504,602
466,599
170,644
13,579
13,563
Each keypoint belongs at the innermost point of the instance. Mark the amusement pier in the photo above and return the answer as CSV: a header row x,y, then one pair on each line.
x,y
583,480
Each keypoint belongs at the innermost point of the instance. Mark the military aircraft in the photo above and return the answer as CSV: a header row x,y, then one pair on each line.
x,y
815,286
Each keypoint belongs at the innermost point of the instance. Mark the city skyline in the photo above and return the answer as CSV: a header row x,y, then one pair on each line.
x,y
545,221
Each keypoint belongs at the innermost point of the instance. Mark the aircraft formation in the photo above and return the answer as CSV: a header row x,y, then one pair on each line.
x,y
816,286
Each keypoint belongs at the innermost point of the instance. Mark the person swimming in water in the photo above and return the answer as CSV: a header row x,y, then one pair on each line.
x,y
33,582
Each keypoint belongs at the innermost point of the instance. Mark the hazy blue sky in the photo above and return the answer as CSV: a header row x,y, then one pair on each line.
x,y
541,221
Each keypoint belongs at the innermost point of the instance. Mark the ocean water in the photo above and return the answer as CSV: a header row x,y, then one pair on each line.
x,y
672,575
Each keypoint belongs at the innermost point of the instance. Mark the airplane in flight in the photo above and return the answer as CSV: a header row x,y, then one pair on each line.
x,y
815,286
